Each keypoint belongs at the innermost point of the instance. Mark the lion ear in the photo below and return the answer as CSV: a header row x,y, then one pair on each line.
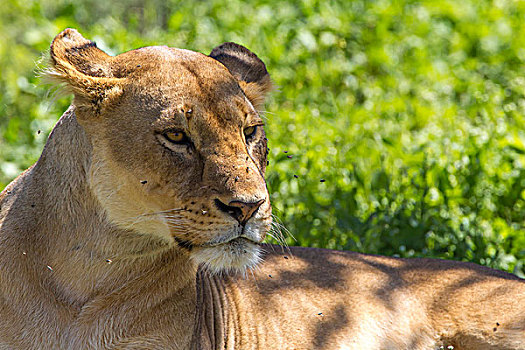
x,y
247,68
83,68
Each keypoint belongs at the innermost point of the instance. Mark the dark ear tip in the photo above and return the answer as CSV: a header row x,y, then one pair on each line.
x,y
231,47
241,62
247,68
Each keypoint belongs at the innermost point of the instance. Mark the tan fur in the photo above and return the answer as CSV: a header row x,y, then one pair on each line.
x,y
102,239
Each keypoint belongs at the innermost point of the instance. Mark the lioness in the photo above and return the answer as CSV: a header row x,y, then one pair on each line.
x,y
153,181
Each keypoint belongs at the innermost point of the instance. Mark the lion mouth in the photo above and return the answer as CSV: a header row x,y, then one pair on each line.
x,y
238,240
233,240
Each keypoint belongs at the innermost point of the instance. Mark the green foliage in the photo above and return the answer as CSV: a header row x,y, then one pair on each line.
x,y
411,112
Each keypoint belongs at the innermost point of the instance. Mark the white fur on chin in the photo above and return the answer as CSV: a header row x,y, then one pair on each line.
x,y
236,256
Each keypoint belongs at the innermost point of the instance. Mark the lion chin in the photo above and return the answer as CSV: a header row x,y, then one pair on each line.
x,y
236,256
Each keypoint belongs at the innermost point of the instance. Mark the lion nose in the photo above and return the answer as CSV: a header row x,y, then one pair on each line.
x,y
240,211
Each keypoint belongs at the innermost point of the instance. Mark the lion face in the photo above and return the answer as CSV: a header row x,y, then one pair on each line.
x,y
178,147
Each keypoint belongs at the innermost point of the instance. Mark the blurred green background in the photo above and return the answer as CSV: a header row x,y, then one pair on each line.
x,y
397,127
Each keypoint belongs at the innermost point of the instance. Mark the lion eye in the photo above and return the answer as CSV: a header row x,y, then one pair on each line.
x,y
250,131
176,136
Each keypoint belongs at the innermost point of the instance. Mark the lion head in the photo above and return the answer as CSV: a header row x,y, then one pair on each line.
x,y
178,150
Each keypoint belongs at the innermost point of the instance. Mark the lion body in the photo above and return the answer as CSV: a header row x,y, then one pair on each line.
x,y
152,181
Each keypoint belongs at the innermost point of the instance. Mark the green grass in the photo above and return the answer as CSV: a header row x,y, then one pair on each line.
x,y
412,112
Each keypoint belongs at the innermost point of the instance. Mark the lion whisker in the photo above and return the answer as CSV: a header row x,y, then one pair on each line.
x,y
276,222
277,238
158,213
278,231
267,112
173,217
